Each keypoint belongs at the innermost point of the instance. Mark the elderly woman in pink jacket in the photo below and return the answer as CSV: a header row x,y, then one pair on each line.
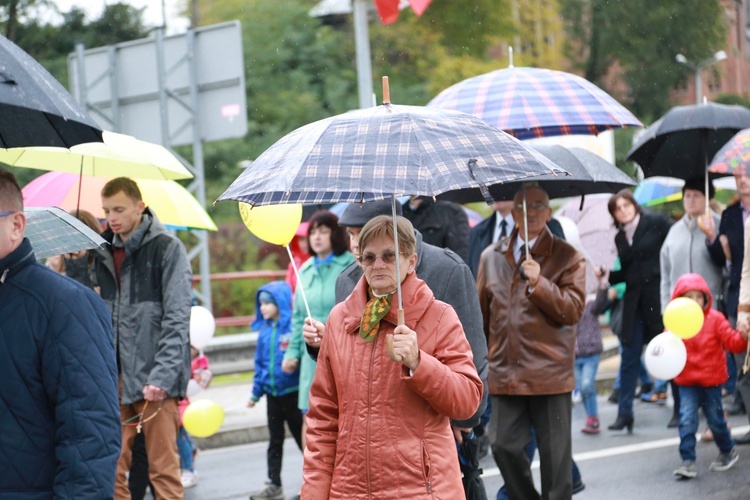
x,y
378,424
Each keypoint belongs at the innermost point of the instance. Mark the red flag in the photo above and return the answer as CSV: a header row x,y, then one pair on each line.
x,y
388,9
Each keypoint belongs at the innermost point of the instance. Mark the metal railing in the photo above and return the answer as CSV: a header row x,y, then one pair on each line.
x,y
241,275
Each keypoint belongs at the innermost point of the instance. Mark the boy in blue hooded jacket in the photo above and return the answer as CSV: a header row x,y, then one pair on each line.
x,y
273,306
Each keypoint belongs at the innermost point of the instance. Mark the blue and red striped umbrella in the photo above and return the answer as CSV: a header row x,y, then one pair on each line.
x,y
536,102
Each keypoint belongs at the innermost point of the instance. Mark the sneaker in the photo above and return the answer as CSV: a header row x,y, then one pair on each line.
x,y
687,470
188,478
654,397
724,461
592,426
270,492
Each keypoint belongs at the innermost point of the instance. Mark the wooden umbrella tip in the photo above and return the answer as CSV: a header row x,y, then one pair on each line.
x,y
386,91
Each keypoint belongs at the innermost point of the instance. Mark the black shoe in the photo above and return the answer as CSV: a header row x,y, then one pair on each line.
x,y
735,408
578,487
743,439
614,397
621,423
674,422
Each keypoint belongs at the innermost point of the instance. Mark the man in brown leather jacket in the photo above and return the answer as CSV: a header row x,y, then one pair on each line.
x,y
530,310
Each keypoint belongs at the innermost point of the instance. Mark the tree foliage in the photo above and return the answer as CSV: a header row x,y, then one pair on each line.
x,y
643,37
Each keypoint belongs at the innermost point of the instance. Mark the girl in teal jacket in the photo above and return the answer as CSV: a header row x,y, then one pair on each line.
x,y
329,247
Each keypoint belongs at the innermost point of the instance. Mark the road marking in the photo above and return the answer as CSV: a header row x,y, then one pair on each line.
x,y
622,450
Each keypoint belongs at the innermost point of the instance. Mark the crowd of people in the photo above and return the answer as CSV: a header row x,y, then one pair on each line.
x,y
405,345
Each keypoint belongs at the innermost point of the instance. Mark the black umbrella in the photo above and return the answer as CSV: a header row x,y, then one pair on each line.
x,y
35,110
468,459
590,174
682,142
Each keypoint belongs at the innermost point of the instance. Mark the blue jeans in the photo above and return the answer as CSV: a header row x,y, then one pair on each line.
x,y
710,399
630,366
660,385
530,450
186,449
585,372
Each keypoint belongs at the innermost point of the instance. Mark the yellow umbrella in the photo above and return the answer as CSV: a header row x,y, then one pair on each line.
x,y
118,156
172,203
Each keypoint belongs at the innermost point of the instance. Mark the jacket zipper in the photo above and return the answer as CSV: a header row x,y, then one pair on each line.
x,y
426,468
369,406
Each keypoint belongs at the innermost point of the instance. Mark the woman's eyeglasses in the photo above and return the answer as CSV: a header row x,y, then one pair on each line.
x,y
5,214
368,259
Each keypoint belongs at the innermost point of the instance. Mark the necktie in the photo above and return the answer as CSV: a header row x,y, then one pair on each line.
x,y
503,229
521,254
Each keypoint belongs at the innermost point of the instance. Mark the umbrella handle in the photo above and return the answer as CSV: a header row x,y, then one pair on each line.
x,y
389,340
386,91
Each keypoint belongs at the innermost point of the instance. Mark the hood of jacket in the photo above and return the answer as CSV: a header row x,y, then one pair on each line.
x,y
692,281
282,295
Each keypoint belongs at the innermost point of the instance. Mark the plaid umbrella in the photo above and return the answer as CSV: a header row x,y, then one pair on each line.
x,y
52,231
35,110
682,142
536,102
373,153
734,156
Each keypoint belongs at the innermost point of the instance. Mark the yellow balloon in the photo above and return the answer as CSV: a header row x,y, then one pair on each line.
x,y
272,223
203,418
683,317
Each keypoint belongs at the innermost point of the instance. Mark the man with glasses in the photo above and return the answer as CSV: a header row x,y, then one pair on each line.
x,y
450,280
532,295
59,418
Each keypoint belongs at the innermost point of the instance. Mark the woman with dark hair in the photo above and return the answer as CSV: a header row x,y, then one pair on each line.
x,y
329,247
638,241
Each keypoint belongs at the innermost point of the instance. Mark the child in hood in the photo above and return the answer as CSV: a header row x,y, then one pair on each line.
x,y
701,380
273,322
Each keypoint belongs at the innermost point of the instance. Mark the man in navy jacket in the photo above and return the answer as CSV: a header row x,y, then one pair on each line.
x,y
59,413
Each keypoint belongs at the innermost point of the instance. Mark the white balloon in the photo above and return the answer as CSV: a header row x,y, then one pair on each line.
x,y
202,327
193,388
665,356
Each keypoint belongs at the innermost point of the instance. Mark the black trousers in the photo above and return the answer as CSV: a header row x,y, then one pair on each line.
x,y
138,480
510,432
280,409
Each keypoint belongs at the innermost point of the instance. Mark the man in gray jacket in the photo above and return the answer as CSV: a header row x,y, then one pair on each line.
x,y
685,250
145,280
451,281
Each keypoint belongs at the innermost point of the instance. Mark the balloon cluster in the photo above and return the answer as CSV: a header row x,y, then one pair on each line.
x,y
665,356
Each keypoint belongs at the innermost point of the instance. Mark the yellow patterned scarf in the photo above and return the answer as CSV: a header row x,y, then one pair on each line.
x,y
375,310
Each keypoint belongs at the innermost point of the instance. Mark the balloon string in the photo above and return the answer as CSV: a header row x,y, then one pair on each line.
x,y
299,280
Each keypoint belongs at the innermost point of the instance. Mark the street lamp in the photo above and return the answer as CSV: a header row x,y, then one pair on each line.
x,y
698,69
